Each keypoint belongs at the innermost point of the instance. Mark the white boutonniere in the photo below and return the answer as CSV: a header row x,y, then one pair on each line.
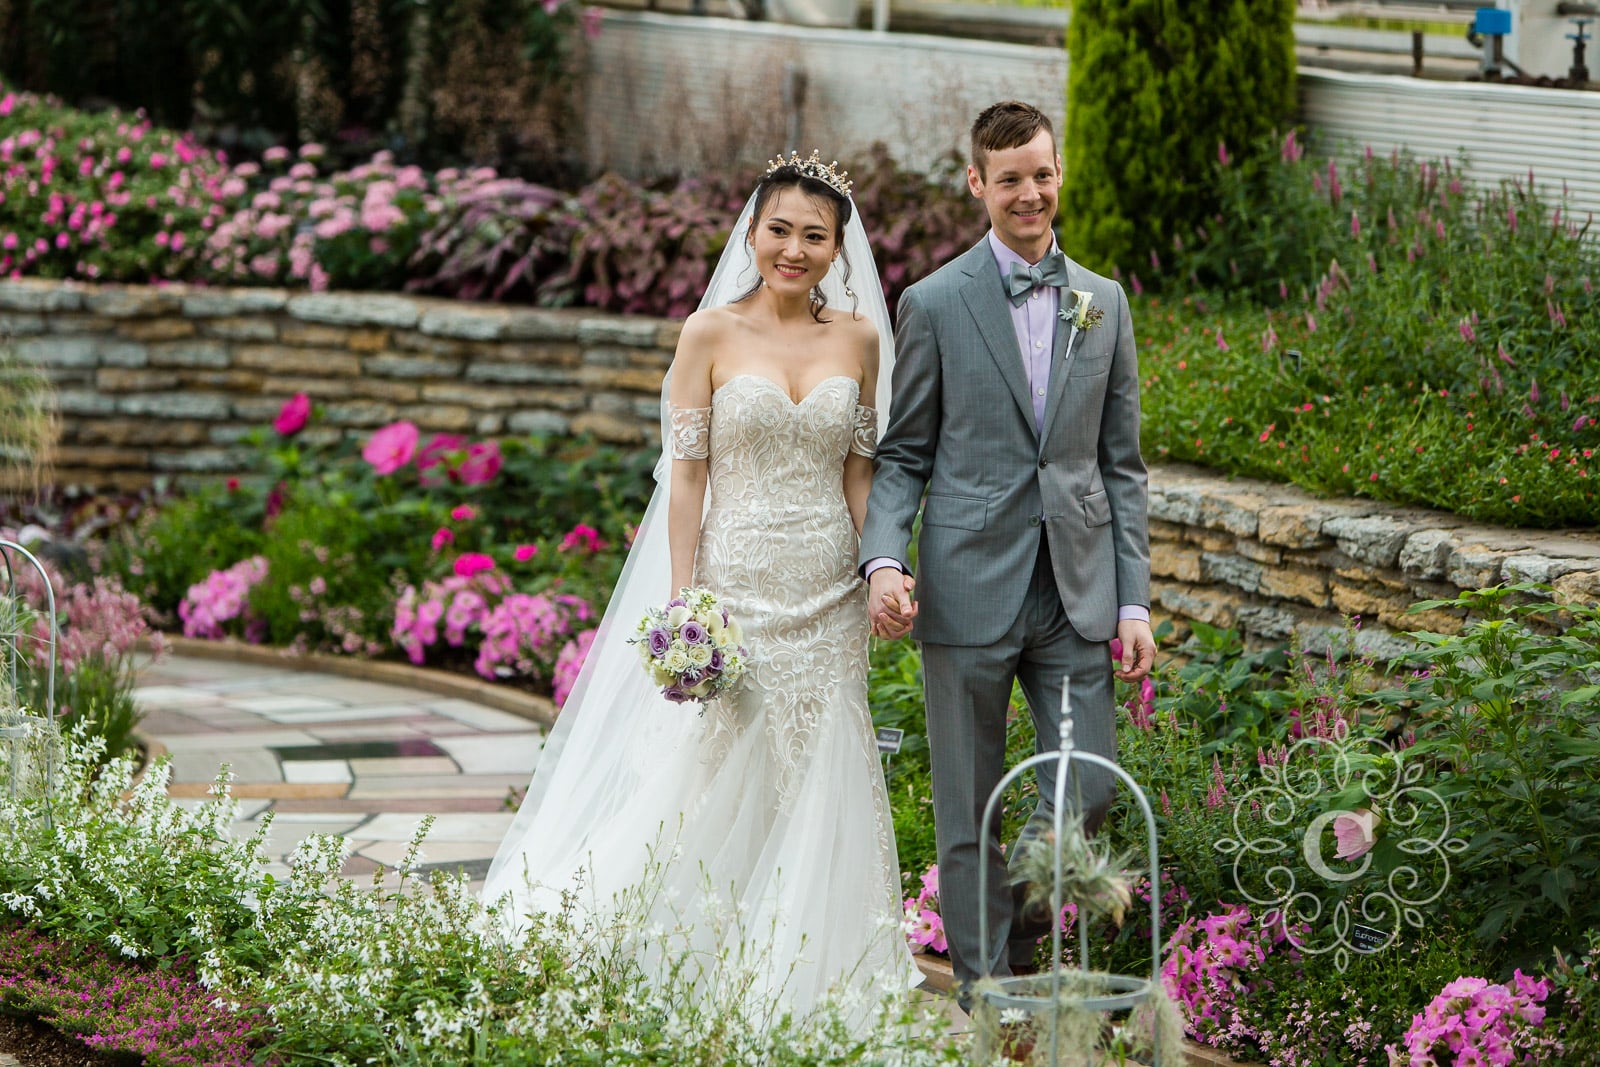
x,y
1082,314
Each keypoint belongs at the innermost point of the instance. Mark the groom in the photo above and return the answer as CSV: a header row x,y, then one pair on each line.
x,y
1016,407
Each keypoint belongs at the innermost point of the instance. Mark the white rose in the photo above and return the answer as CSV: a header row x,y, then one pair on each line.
x,y
677,661
677,617
700,655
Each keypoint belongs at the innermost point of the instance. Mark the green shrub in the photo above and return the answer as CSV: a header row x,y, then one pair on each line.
x,y
1384,368
1155,89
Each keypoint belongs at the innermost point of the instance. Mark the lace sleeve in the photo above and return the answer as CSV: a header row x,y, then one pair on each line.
x,y
864,441
691,432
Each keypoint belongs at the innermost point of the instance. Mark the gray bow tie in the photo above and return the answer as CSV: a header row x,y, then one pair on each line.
x,y
1022,279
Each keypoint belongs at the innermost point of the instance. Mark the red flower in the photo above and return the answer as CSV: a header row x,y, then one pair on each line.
x,y
293,415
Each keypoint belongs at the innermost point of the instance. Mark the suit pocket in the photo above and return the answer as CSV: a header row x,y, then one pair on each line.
x,y
962,512
1096,509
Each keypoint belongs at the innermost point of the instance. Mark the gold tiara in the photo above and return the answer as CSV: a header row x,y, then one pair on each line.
x,y
813,167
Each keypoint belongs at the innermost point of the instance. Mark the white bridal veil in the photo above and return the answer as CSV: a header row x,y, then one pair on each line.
x,y
617,736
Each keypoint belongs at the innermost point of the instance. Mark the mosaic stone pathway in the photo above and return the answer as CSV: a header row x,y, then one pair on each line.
x,y
328,754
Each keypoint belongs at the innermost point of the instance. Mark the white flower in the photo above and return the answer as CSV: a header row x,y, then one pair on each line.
x,y
677,616
735,632
677,660
1081,308
700,655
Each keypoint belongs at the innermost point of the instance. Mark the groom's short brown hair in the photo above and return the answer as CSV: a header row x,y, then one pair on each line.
x,y
1008,124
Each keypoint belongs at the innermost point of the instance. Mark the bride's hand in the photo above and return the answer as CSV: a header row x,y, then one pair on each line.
x,y
889,603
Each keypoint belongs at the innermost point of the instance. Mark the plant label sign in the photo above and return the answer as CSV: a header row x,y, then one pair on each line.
x,y
1366,939
889,739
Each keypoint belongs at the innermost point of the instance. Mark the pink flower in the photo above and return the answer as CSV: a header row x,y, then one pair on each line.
x,y
1222,153
592,18
442,536
482,463
927,928
437,451
1356,833
568,665
292,416
582,537
470,563
463,513
524,553
391,447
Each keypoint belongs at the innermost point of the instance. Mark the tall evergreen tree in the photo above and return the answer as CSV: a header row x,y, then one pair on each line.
x,y
1154,87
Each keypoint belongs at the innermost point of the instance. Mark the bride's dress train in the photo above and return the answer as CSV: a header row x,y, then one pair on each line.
x,y
770,805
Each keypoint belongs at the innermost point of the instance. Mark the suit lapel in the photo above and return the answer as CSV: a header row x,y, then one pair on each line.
x,y
985,299
1066,341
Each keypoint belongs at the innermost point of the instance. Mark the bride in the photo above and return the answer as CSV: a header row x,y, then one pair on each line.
x,y
767,803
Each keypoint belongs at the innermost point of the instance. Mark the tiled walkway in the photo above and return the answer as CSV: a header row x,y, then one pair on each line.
x,y
328,754
337,755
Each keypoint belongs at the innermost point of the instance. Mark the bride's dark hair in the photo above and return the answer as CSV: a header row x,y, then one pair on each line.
x,y
787,177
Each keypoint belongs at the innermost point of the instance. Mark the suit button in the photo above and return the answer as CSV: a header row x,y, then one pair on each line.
x,y
1043,463
1033,520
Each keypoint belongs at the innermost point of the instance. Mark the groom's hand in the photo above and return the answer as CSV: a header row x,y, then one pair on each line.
x,y
889,602
1138,649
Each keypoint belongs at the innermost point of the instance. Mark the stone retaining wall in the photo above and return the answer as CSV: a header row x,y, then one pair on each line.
x,y
1283,566
167,381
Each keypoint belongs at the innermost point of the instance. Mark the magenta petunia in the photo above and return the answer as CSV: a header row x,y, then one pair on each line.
x,y
392,447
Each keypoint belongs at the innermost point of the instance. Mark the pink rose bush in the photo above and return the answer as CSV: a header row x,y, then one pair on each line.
x,y
223,597
392,447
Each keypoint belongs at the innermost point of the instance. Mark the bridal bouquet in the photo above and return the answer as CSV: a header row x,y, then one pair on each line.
x,y
691,647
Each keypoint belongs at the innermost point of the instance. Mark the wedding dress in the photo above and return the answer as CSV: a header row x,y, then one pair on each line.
x,y
756,825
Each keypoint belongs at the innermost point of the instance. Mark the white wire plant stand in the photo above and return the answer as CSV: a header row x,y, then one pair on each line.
x,y
30,737
1063,988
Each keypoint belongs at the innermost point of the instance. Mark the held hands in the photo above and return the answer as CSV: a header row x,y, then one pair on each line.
x,y
1138,649
889,603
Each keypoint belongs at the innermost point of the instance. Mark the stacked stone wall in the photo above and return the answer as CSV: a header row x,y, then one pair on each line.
x,y
166,382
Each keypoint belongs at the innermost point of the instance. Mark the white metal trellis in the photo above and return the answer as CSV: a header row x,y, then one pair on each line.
x,y
1042,993
30,738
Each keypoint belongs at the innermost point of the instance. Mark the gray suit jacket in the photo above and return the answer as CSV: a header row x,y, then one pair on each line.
x,y
961,426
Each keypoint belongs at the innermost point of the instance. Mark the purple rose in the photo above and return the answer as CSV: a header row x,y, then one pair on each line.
x,y
691,678
676,694
693,633
659,642
716,659
677,602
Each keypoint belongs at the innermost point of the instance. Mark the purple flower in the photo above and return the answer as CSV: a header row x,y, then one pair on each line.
x,y
693,633
659,642
676,694
716,660
677,602
691,678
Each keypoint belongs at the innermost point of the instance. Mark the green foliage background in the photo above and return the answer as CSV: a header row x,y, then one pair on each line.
x,y
1153,87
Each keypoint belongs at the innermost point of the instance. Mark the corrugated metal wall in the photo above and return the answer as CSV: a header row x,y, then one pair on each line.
x,y
1504,129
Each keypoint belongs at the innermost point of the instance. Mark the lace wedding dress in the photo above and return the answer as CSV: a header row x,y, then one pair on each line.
x,y
761,821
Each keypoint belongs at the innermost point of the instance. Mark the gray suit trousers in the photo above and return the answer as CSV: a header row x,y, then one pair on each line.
x,y
968,691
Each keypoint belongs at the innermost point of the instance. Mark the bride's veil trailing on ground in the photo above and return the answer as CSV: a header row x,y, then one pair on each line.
x,y
617,738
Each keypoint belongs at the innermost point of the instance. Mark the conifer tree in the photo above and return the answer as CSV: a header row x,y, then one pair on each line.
x,y
1155,90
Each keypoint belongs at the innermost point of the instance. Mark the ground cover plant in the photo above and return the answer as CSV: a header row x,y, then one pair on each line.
x,y
128,886
1381,327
